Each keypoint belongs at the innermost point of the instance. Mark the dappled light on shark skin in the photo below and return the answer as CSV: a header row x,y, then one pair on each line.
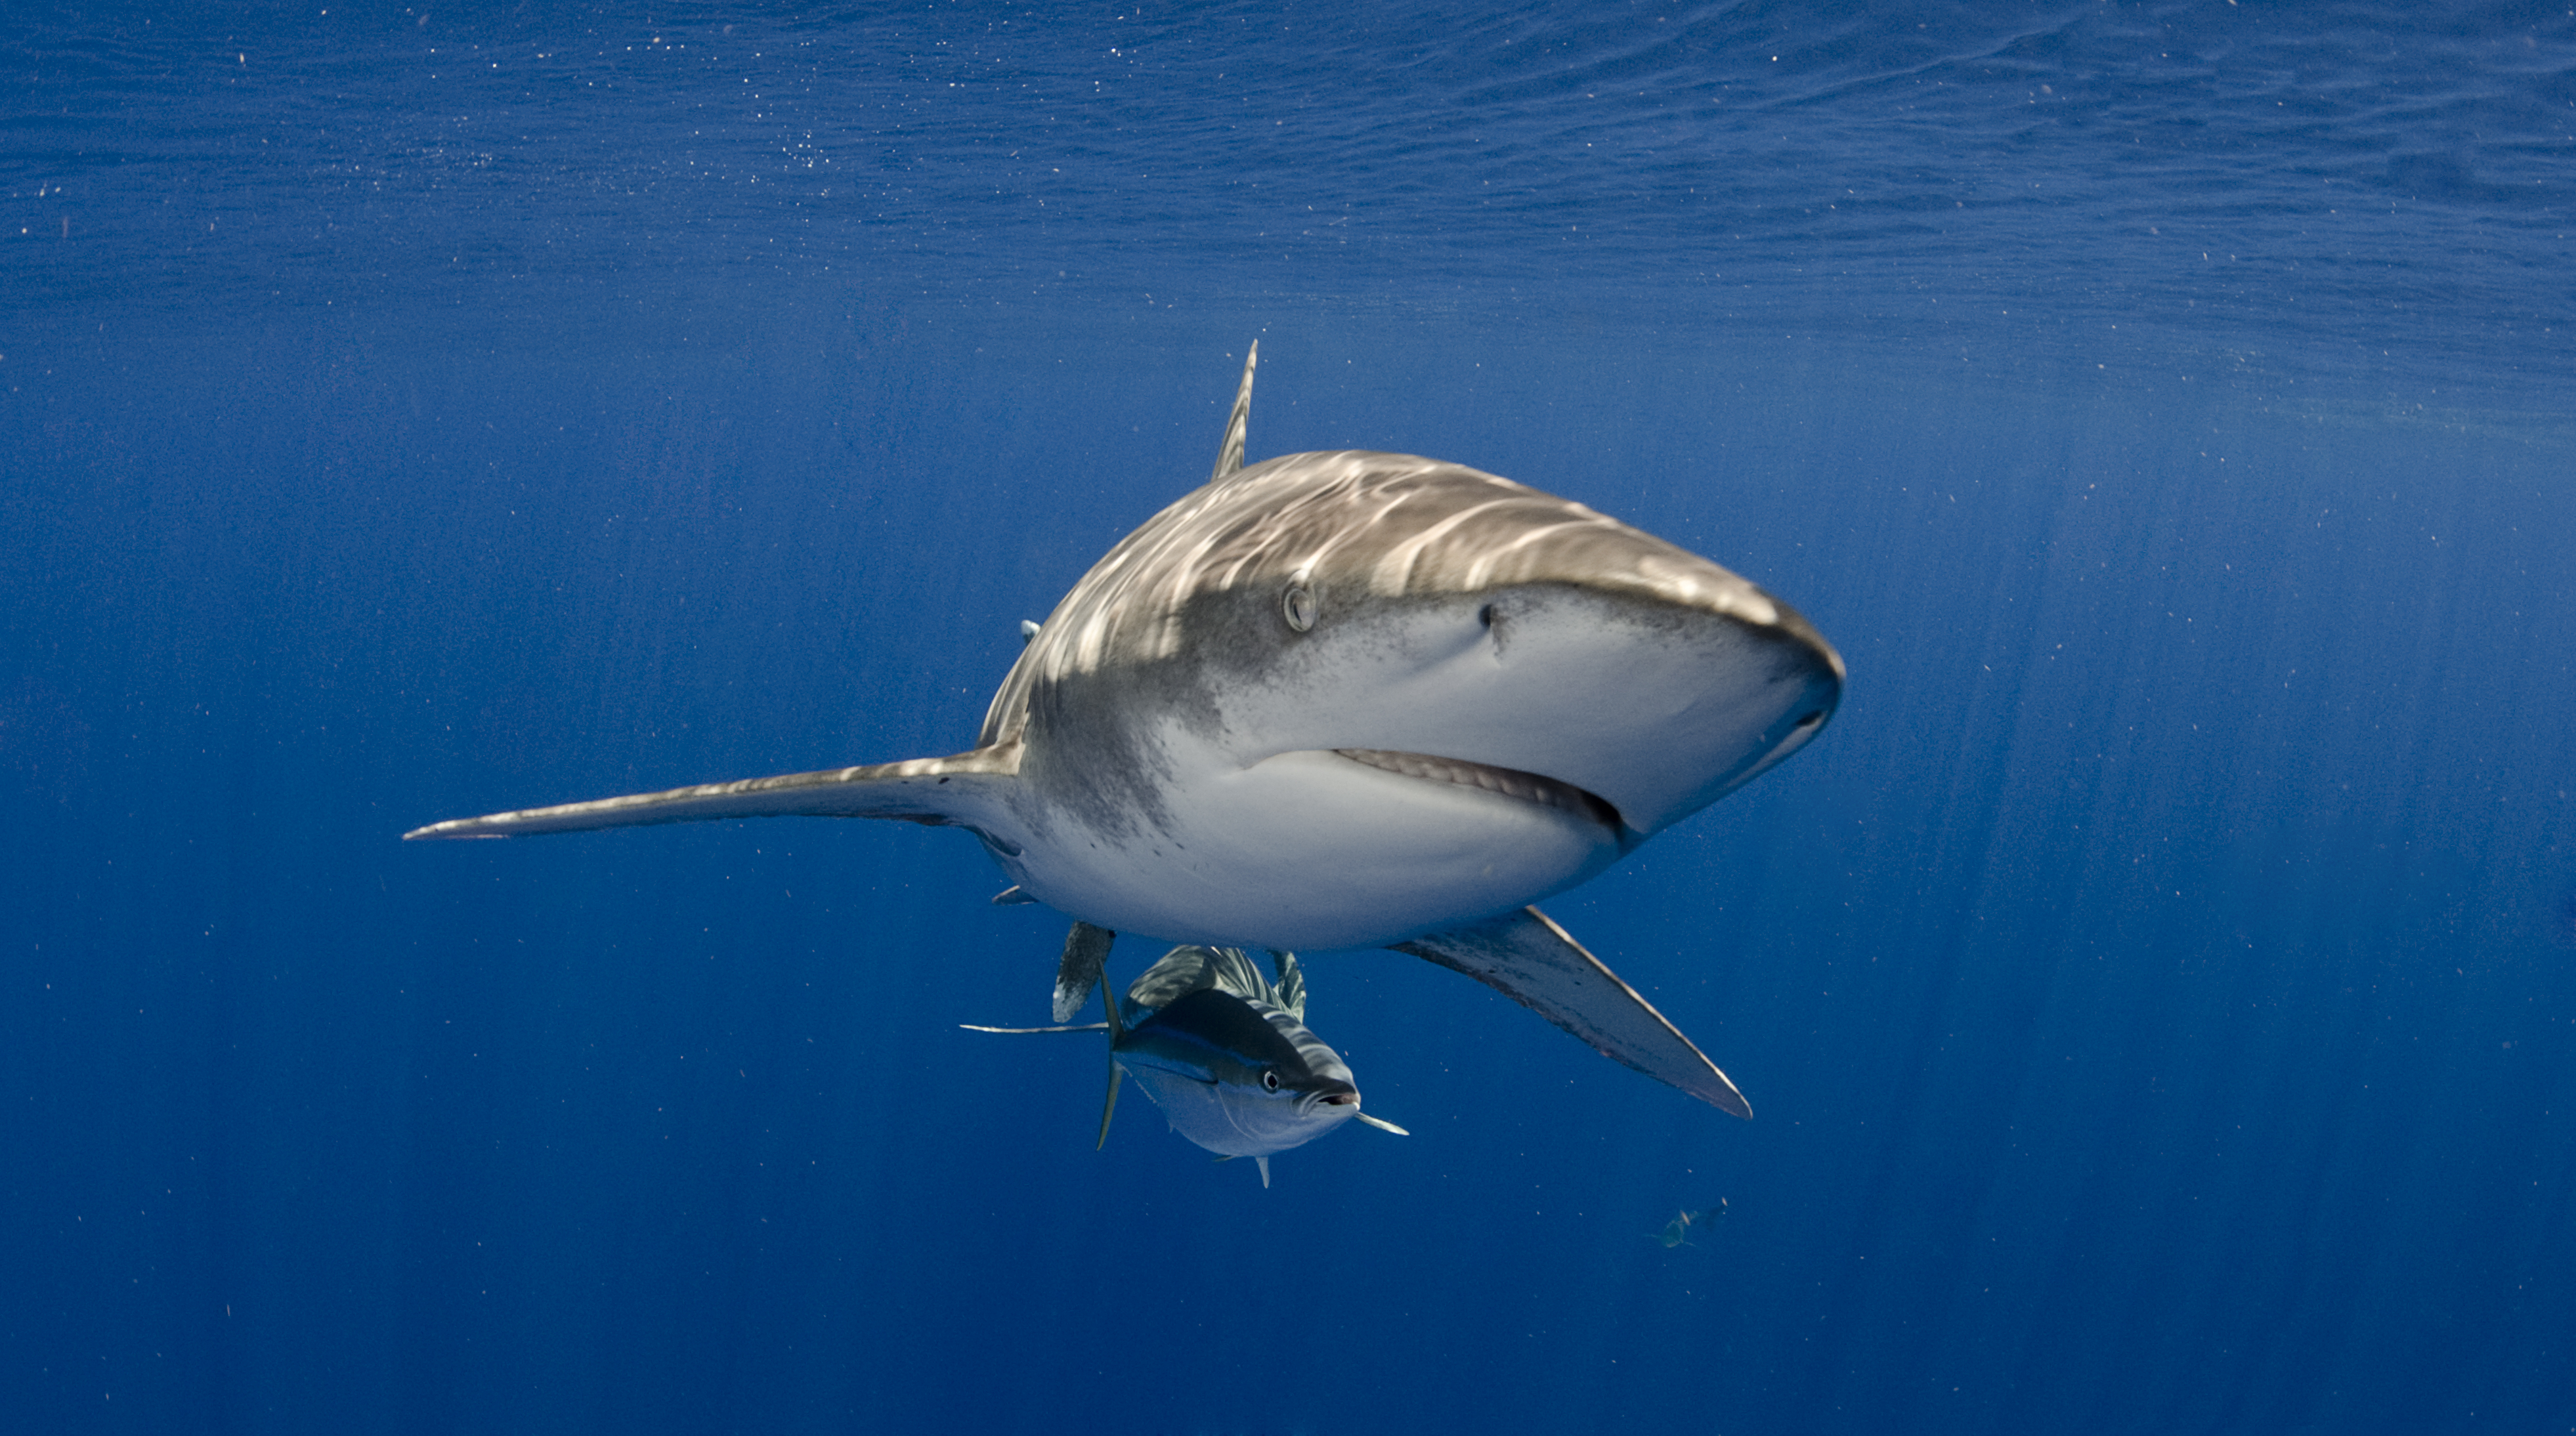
x,y
1349,699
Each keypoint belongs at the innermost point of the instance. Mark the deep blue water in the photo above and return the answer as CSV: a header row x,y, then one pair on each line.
x,y
2155,986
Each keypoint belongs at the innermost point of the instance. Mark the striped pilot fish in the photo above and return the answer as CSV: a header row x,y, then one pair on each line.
x,y
1226,1054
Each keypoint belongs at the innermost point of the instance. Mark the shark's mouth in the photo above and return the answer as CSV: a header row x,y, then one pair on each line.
x,y
1508,782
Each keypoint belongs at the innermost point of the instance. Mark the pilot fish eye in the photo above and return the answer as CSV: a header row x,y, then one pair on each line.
x,y
1270,1081
1297,606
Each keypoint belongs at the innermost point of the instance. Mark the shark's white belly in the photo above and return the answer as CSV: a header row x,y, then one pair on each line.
x,y
1305,851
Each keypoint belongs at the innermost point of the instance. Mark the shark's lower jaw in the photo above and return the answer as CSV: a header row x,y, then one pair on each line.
x,y
1507,782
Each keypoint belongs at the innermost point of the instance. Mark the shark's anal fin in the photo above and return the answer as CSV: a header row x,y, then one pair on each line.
x,y
1086,953
1531,960
1229,456
937,791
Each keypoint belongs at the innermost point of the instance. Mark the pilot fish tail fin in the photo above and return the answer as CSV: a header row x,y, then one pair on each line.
x,y
1229,456
1531,960
957,790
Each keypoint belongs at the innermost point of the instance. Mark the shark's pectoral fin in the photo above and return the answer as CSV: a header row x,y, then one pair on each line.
x,y
1086,952
1529,959
960,789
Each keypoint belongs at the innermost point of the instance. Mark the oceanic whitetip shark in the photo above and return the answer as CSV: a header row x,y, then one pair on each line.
x,y
1343,700
1225,1053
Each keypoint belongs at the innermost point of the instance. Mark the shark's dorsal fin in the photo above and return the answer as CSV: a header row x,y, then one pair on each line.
x,y
1531,960
1229,457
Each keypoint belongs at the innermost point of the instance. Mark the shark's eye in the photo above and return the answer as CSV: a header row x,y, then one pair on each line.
x,y
1269,1081
1297,606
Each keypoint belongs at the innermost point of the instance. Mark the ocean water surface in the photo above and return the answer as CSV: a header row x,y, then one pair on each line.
x,y
2154,987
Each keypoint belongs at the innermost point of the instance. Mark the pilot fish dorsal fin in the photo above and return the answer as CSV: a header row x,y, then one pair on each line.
x,y
1191,968
1290,989
1229,456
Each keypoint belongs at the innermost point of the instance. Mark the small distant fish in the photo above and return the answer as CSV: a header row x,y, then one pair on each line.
x,y
1676,1233
1223,1051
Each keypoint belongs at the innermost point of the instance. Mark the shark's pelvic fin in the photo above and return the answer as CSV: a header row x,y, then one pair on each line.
x,y
1229,457
937,791
1531,960
1264,1164
1086,954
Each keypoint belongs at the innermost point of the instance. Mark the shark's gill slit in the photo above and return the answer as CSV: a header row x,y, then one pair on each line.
x,y
1508,782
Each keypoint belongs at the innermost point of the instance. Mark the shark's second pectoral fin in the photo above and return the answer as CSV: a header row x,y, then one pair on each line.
x,y
1531,960
955,789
